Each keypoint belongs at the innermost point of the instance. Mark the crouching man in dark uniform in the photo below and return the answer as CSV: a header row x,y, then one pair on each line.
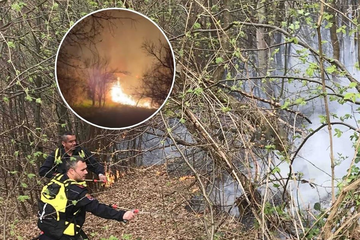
x,y
65,201
55,162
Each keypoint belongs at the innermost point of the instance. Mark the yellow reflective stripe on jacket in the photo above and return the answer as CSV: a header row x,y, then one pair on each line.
x,y
57,157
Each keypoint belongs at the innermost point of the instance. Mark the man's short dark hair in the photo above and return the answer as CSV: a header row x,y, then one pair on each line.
x,y
65,134
71,163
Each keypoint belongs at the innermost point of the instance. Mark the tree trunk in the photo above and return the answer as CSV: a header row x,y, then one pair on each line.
x,y
262,47
333,35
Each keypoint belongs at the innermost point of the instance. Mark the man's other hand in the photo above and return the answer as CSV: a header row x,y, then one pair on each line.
x,y
102,177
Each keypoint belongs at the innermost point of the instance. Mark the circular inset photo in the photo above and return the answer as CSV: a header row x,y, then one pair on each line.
x,y
115,68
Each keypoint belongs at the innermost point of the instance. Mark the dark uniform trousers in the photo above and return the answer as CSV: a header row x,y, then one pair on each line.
x,y
64,237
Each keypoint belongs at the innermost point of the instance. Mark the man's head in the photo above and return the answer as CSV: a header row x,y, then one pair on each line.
x,y
76,168
68,140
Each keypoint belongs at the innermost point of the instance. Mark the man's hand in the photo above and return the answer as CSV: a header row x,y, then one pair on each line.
x,y
129,215
102,177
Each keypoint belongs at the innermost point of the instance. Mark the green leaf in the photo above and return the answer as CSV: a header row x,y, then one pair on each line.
x,y
275,51
286,104
311,69
226,109
169,113
331,69
300,101
219,60
28,98
16,7
322,119
350,96
31,175
197,25
22,198
124,237
328,25
352,84
270,147
275,170
357,159
11,44
228,76
341,29
338,133
58,160
317,206
198,91
293,40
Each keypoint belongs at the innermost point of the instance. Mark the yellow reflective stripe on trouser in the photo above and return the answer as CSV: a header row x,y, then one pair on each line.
x,y
70,230
57,157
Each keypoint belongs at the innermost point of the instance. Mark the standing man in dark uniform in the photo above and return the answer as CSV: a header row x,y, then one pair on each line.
x,y
55,162
64,203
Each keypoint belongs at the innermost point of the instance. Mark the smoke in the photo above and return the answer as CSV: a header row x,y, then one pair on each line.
x,y
313,163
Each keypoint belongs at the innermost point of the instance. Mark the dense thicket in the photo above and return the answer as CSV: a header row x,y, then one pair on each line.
x,y
250,78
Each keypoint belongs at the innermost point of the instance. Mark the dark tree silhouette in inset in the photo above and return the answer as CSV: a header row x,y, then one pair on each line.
x,y
99,75
81,67
157,81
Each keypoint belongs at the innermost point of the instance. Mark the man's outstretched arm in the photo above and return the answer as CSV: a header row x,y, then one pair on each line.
x,y
99,209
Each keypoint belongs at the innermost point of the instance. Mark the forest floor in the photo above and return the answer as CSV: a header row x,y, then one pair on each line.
x,y
114,116
162,200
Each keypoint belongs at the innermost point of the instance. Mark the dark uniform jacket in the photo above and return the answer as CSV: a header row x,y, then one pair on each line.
x,y
49,168
79,195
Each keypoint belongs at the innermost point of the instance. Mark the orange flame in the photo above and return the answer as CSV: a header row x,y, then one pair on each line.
x,y
119,96
110,179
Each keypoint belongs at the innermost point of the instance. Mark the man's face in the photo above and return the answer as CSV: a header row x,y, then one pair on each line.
x,y
79,172
70,143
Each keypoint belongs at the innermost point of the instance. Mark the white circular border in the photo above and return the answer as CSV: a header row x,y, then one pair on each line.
x,y
172,85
